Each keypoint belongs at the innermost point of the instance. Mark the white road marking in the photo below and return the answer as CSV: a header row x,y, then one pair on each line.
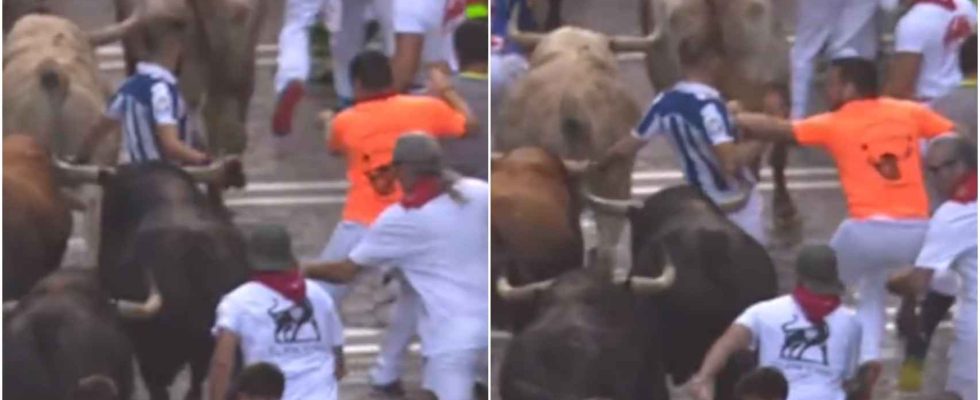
x,y
766,173
367,349
297,186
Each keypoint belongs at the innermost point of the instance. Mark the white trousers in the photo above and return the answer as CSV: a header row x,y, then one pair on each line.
x,y
349,39
294,38
402,327
867,252
749,218
842,28
451,375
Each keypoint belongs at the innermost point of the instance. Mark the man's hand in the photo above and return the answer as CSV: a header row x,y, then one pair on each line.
x,y
701,388
907,321
439,82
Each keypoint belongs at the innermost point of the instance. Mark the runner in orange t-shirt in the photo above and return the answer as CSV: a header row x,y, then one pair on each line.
x,y
875,143
366,135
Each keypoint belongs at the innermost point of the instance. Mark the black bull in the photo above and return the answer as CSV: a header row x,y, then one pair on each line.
x,y
160,234
601,340
62,339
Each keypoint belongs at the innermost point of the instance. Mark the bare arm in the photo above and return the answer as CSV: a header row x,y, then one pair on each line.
x,y
737,337
175,149
94,136
733,156
624,148
222,363
903,74
405,61
763,127
910,282
440,86
336,272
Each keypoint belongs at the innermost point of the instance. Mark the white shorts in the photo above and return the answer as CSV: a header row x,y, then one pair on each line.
x,y
749,218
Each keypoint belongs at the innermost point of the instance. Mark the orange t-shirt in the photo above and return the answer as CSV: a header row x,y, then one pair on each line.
x,y
366,134
875,144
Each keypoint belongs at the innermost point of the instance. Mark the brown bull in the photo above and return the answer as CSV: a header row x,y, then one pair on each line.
x,y
534,223
218,64
37,220
572,103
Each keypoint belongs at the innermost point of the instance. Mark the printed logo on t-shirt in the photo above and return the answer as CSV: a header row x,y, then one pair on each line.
x,y
294,323
805,342
890,156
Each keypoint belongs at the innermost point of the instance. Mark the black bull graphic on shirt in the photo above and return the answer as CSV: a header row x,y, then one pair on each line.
x,y
291,321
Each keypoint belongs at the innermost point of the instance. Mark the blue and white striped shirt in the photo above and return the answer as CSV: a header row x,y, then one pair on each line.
x,y
695,118
146,100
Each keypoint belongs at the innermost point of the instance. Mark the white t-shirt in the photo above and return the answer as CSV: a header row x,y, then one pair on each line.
x,y
437,20
951,243
271,328
442,250
936,33
815,360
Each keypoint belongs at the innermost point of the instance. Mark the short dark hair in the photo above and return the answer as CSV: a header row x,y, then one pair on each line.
x,y
471,42
968,55
261,379
861,73
372,69
767,383
693,52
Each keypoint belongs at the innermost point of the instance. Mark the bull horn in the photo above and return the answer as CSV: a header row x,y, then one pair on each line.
x,y
735,204
80,173
116,31
142,310
9,306
642,285
520,293
638,43
610,206
577,167
525,39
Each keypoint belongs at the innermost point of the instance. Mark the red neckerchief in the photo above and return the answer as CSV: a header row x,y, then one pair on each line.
x,y
947,4
290,284
424,190
815,306
966,189
376,96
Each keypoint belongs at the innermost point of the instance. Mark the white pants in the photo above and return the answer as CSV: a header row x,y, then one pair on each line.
x,y
844,28
962,375
349,39
451,375
343,240
867,251
749,218
401,329
294,38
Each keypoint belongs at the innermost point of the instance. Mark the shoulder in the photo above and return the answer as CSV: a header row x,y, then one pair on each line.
x,y
953,213
242,293
778,304
318,295
473,186
845,316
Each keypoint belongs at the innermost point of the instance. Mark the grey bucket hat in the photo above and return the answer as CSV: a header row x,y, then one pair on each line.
x,y
418,150
270,249
816,269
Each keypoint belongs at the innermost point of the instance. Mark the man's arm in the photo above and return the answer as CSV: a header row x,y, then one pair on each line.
x,y
763,127
903,74
737,337
222,363
440,86
175,149
332,271
733,156
624,148
94,136
405,61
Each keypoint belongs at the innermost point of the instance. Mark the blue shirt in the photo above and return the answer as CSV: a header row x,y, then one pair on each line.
x,y
501,15
146,100
695,118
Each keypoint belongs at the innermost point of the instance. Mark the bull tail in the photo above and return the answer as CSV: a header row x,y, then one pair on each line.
x,y
576,129
54,82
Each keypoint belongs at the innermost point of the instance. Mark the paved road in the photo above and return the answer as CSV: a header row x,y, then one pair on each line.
x,y
813,183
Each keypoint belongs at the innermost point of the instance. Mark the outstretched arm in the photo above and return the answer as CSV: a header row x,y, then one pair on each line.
x,y
763,127
737,337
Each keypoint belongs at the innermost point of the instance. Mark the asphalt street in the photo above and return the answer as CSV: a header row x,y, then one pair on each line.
x,y
812,180
294,182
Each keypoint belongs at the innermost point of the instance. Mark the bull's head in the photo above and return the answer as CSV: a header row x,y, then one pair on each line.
x,y
226,172
639,285
591,46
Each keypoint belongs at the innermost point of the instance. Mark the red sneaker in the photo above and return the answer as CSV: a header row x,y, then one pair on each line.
x,y
282,117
